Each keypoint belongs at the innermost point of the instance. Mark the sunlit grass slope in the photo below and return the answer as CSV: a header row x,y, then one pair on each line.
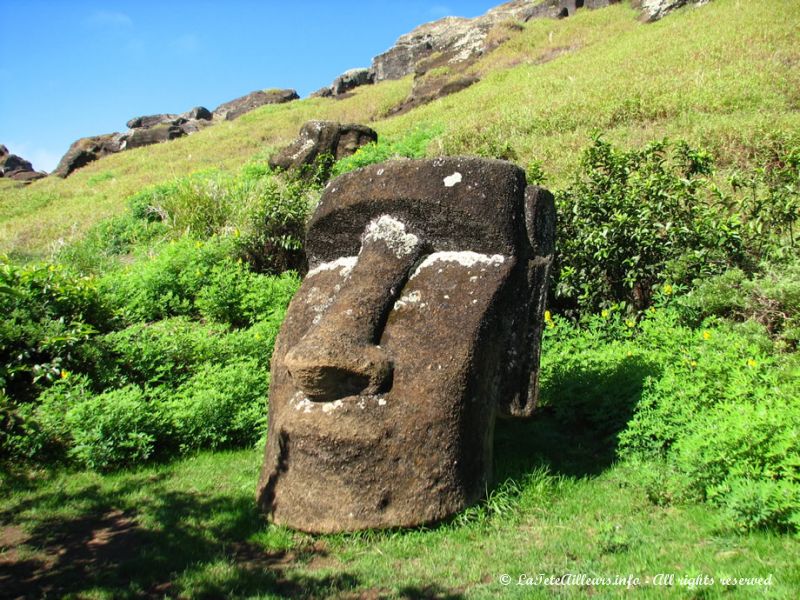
x,y
725,76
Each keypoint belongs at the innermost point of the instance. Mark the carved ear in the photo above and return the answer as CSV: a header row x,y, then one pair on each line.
x,y
525,335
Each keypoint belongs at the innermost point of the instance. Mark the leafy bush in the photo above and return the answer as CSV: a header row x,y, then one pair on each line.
x,y
711,411
168,282
633,219
772,299
220,406
266,213
48,316
113,429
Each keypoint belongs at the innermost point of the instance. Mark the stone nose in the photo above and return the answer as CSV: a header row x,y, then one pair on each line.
x,y
339,356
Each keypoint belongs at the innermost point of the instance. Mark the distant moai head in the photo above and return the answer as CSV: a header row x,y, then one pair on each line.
x,y
418,323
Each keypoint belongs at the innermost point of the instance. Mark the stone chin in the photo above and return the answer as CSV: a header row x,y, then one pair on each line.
x,y
394,358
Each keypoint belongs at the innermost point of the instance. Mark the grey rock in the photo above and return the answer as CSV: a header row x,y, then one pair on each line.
x,y
146,136
653,10
320,138
198,113
148,121
89,149
239,106
352,79
419,322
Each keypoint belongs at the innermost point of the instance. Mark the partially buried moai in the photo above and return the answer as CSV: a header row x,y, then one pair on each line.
x,y
417,324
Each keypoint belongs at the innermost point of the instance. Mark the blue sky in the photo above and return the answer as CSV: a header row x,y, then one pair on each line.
x,y
71,69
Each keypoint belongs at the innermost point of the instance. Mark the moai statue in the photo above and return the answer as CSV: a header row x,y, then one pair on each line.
x,y
417,324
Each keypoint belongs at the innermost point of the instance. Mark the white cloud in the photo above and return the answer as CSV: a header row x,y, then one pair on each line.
x,y
105,19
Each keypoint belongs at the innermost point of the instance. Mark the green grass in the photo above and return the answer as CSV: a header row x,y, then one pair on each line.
x,y
190,528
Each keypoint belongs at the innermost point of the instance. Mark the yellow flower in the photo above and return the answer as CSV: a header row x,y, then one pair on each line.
x,y
667,289
64,374
604,314
547,316
630,323
751,363
693,363
706,335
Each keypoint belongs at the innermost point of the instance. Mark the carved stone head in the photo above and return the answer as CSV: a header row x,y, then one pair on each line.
x,y
417,324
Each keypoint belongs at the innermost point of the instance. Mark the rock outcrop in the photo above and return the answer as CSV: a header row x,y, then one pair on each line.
x,y
419,321
89,149
347,81
17,168
322,138
239,106
653,10
454,40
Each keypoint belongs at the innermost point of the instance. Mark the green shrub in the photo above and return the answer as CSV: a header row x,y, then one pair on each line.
x,y
164,352
221,406
771,299
166,284
49,314
114,429
711,411
265,213
633,219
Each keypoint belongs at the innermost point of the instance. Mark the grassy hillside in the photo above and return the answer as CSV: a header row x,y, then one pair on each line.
x,y
725,76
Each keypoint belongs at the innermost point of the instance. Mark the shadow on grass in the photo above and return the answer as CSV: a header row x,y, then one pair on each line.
x,y
105,549
574,432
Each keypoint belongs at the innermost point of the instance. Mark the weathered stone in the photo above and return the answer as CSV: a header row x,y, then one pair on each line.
x,y
153,120
198,113
352,79
86,150
239,106
319,138
146,136
653,10
24,175
418,323
11,162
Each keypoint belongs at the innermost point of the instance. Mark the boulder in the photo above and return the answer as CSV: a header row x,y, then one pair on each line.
x,y
419,322
352,79
321,138
16,167
153,120
89,149
198,113
239,106
146,136
25,176
12,162
653,10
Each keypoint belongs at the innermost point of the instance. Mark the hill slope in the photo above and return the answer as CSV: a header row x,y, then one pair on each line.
x,y
725,76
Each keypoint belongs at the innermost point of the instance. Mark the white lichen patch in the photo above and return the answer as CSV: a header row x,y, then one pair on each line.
x,y
453,179
331,406
302,403
392,232
466,259
345,265
408,300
